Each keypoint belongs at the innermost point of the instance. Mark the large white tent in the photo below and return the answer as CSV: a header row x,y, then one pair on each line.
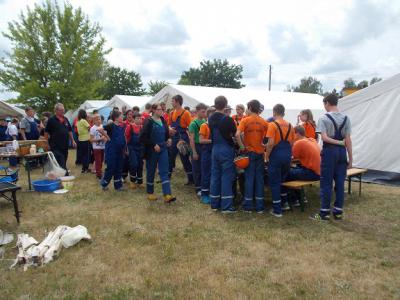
x,y
9,110
374,113
293,102
128,101
88,105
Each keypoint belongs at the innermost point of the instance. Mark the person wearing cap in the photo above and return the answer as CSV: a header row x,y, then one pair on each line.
x,y
253,128
179,122
280,136
195,145
29,126
239,114
223,171
335,130
308,152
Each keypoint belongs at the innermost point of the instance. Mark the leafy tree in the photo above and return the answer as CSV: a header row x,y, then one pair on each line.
x,y
57,56
156,86
362,84
375,80
121,82
308,85
216,73
349,83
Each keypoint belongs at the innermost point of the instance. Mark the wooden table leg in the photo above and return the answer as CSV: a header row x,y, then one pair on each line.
x,y
15,203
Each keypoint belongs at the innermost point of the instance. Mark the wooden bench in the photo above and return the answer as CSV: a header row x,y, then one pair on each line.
x,y
299,185
355,172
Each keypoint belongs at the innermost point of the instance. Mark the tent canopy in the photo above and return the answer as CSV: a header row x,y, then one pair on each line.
x,y
293,102
128,101
374,114
9,110
88,106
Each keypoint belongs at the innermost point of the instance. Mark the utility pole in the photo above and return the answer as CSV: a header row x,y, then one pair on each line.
x,y
269,80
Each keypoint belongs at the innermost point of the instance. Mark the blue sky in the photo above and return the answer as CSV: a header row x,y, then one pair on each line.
x,y
331,40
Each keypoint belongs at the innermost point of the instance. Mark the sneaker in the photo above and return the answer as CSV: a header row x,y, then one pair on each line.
x,y
318,217
205,200
169,198
296,204
285,207
275,214
198,194
338,217
229,211
132,185
215,209
152,197
260,212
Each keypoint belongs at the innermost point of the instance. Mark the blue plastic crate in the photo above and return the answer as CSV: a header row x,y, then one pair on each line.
x,y
46,185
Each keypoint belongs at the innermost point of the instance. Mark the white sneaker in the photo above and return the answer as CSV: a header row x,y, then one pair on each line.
x,y
275,214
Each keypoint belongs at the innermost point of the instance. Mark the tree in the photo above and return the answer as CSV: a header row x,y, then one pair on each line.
x,y
121,82
308,85
362,84
349,83
375,80
57,56
216,73
156,86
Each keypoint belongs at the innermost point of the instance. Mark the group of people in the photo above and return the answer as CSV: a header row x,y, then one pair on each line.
x,y
209,141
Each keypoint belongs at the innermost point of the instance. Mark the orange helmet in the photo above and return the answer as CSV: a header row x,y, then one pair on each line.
x,y
242,161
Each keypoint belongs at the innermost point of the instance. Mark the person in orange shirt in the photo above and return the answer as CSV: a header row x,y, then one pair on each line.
x,y
308,152
280,136
206,148
179,122
147,112
307,121
239,114
165,113
254,128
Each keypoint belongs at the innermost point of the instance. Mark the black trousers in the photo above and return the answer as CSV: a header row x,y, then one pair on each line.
x,y
61,156
84,154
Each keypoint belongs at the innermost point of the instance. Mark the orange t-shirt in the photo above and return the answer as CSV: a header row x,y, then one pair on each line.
x,y
204,131
186,118
273,131
308,152
310,130
254,129
237,119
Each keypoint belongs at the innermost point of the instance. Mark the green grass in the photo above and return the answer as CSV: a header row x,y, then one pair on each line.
x,y
184,250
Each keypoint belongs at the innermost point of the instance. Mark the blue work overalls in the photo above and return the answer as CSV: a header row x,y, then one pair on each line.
x,y
254,183
180,134
33,134
222,171
135,150
113,156
205,169
160,159
333,168
278,167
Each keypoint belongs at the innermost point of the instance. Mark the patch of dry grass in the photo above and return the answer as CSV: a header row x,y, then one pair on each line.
x,y
184,250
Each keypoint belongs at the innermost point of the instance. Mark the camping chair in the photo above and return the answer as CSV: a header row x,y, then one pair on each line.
x,y
8,175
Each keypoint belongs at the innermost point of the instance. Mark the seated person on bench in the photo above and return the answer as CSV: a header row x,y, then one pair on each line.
x,y
308,152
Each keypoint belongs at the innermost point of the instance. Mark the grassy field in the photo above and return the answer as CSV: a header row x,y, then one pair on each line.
x,y
185,251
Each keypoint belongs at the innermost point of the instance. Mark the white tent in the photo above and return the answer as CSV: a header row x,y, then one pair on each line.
x,y
374,113
88,105
128,101
9,110
293,102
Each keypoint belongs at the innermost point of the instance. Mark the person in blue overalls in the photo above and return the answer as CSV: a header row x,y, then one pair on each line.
x,y
179,122
114,150
206,148
155,137
29,125
280,136
223,170
3,129
135,151
335,129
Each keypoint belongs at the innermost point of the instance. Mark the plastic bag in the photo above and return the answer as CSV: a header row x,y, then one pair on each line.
x,y
73,235
52,169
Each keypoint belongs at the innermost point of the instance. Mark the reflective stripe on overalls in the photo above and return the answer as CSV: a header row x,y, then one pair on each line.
x,y
33,134
222,170
205,169
278,167
180,134
114,151
333,168
135,149
160,159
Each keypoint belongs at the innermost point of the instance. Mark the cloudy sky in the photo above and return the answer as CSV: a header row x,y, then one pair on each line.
x,y
330,40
